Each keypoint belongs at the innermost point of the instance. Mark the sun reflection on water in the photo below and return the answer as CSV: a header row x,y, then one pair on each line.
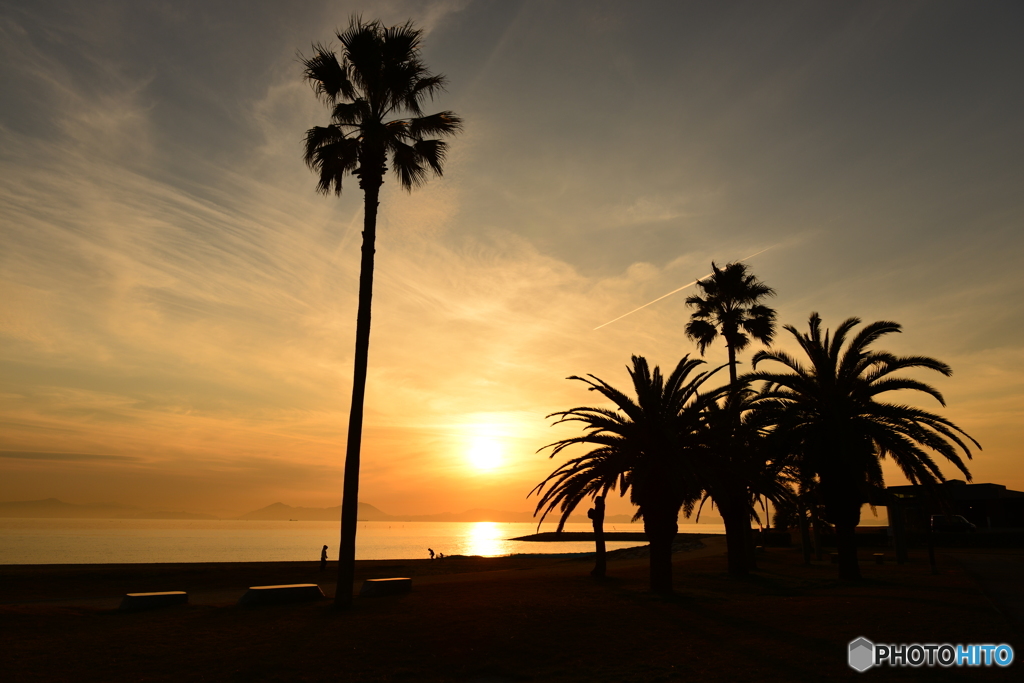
x,y
486,539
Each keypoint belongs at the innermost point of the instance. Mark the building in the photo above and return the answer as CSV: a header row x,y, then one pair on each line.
x,y
989,506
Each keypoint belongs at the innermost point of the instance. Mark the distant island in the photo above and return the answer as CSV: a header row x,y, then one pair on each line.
x,y
52,508
369,513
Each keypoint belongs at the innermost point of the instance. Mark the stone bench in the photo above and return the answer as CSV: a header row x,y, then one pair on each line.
x,y
276,595
373,588
139,601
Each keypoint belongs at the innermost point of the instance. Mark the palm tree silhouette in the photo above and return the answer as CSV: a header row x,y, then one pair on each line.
x,y
646,447
380,78
831,410
731,308
746,459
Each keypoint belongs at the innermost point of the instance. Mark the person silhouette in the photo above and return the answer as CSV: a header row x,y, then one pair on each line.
x,y
431,551
323,559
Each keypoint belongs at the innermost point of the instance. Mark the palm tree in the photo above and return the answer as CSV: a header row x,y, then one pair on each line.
x,y
745,460
731,308
831,410
646,447
379,78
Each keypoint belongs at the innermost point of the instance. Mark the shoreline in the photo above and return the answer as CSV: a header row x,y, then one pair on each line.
x,y
505,619
571,536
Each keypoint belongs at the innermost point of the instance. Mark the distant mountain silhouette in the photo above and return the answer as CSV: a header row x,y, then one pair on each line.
x,y
369,513
55,509
280,511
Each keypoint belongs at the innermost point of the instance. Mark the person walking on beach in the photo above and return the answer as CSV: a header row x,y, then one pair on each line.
x,y
431,551
323,559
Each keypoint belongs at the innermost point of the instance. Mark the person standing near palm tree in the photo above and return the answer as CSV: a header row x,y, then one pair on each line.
x,y
375,93
830,410
730,307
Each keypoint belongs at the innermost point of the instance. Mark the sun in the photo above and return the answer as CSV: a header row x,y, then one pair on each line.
x,y
485,453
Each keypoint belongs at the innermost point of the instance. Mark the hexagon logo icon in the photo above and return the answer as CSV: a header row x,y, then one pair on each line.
x,y
862,654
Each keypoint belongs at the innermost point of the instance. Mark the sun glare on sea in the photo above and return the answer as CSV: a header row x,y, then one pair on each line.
x,y
485,453
487,540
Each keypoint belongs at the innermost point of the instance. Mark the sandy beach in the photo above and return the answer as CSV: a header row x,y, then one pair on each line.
x,y
521,618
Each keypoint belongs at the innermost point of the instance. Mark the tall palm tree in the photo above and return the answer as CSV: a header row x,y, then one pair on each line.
x,y
646,447
831,409
375,93
730,307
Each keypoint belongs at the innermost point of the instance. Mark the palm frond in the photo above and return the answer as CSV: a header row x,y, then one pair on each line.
x,y
443,123
326,75
830,412
378,79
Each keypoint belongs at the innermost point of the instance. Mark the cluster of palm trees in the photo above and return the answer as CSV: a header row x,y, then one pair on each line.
x,y
813,432
807,432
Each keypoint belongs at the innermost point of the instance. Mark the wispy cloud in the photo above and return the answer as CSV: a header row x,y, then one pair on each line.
x,y
179,301
35,455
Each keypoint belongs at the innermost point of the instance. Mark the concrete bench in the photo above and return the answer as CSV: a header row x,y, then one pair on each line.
x,y
139,601
276,595
373,588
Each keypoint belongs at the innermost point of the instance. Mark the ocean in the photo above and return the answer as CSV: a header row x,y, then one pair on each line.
x,y
132,541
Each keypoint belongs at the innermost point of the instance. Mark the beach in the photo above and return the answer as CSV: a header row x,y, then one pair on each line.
x,y
521,618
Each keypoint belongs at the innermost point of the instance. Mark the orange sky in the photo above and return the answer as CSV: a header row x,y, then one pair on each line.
x,y
178,305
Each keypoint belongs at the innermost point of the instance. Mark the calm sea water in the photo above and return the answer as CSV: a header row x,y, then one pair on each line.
x,y
100,541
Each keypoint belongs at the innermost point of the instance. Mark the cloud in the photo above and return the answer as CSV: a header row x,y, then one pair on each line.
x,y
177,294
77,457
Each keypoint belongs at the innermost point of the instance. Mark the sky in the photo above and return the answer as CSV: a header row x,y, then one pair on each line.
x,y
177,303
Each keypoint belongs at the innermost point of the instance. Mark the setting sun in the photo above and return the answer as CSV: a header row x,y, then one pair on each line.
x,y
485,453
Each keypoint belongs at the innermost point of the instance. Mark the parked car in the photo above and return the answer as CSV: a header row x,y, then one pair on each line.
x,y
951,523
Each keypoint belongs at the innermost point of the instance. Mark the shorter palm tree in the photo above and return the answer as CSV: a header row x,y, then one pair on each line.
x,y
841,431
743,463
647,447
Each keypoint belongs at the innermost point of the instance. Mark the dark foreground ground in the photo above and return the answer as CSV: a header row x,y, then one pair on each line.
x,y
510,619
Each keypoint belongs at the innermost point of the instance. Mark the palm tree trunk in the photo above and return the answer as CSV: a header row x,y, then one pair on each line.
x,y
734,516
842,496
749,542
846,544
735,543
845,515
745,541
732,359
350,494
597,517
819,529
661,531
805,533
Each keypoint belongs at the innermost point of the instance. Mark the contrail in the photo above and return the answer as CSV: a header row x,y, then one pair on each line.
x,y
690,284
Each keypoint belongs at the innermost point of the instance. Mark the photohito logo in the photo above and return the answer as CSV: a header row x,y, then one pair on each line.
x,y
863,654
